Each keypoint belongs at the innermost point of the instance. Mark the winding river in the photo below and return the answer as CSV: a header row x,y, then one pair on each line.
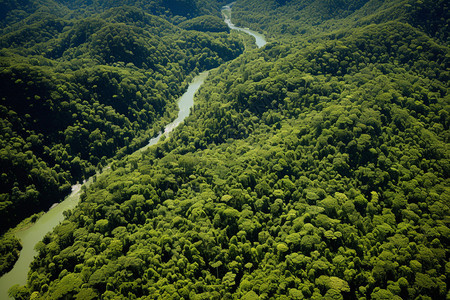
x,y
30,236
33,234
260,40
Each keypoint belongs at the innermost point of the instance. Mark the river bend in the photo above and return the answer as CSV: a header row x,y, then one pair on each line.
x,y
33,234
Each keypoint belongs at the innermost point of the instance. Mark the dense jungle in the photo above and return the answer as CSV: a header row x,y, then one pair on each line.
x,y
315,167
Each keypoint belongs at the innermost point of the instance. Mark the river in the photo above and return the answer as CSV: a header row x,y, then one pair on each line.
x,y
260,40
33,234
30,236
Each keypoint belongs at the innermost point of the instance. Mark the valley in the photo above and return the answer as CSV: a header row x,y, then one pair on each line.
x,y
314,167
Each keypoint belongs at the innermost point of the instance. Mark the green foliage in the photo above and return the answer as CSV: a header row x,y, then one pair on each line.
x,y
83,91
15,11
9,252
299,18
432,17
315,168
205,23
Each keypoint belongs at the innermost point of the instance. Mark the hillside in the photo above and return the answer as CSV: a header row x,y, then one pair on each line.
x,y
297,19
78,92
316,167
14,11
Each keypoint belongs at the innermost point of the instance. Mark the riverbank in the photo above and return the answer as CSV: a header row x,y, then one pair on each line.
x,y
49,220
31,234
260,39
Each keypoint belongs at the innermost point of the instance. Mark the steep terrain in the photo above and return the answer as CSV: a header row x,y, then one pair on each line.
x,y
294,19
77,92
316,167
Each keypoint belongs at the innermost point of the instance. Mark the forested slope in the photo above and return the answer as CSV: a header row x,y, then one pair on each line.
x,y
177,11
76,92
296,19
313,168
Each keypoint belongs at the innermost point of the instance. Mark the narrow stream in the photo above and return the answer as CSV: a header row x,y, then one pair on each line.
x,y
32,235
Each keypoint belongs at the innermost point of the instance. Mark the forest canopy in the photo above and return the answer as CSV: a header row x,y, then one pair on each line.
x,y
81,91
316,167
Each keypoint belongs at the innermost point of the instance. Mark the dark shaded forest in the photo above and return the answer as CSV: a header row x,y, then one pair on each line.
x,y
316,167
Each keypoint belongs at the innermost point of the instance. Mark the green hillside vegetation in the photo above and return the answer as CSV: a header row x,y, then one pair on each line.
x,y
296,18
167,8
314,168
14,11
205,23
10,250
76,93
